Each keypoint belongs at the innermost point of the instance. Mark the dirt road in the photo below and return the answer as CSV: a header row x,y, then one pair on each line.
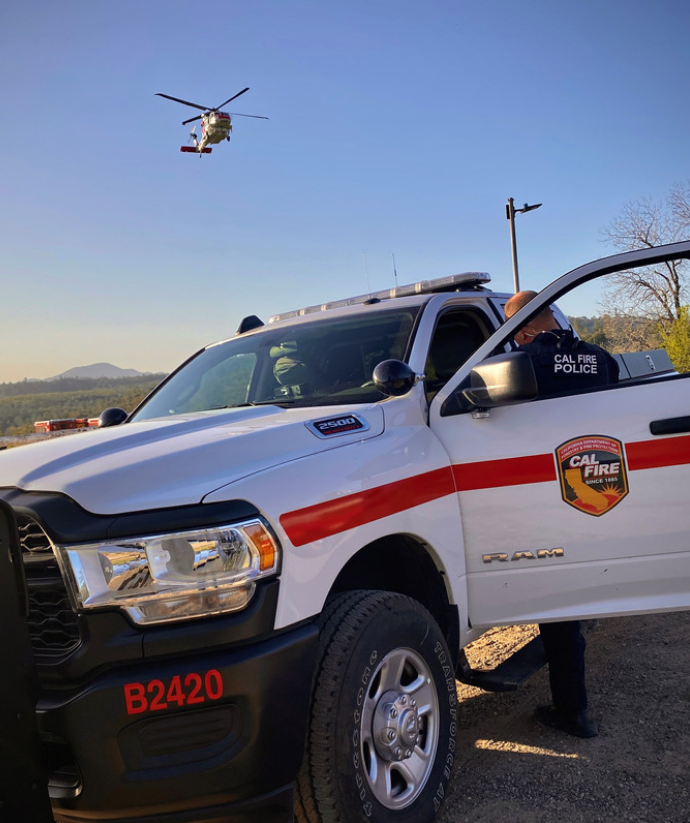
x,y
512,770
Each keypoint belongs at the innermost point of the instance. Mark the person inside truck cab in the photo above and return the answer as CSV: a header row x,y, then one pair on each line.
x,y
290,369
301,369
563,364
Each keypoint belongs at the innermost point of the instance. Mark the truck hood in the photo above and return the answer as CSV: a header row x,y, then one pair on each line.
x,y
176,461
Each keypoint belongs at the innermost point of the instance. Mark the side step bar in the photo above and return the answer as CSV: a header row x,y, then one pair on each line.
x,y
508,675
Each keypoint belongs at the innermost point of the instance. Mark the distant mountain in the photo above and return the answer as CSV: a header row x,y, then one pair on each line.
x,y
97,370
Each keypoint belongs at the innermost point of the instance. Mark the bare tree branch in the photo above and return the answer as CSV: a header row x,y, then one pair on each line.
x,y
651,293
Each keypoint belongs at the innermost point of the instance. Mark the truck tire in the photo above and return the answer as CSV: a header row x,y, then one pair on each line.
x,y
381,739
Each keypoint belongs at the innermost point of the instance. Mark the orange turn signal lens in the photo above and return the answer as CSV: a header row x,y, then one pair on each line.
x,y
264,544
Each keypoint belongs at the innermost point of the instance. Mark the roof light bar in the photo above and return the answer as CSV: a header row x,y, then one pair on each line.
x,y
454,282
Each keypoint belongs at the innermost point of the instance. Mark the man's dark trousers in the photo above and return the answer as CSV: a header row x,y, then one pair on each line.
x,y
565,652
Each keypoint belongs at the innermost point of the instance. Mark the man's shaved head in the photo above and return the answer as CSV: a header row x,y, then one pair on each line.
x,y
544,321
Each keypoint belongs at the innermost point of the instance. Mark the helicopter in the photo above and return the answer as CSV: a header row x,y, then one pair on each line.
x,y
216,125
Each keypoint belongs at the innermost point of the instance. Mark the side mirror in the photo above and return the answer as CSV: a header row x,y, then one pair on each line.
x,y
502,381
394,378
112,417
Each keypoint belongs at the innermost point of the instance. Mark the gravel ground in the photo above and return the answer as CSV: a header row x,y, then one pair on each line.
x,y
509,769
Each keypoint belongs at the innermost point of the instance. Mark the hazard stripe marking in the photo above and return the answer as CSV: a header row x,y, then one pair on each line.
x,y
654,454
325,519
509,471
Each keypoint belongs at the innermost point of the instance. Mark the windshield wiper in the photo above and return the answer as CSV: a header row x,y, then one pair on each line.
x,y
278,401
229,406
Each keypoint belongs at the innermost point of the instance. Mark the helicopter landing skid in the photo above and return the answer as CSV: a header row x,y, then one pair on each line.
x,y
195,150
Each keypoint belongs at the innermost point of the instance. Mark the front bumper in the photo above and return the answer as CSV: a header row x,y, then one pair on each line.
x,y
167,741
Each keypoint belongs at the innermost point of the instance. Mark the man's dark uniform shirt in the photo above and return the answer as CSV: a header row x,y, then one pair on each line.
x,y
564,364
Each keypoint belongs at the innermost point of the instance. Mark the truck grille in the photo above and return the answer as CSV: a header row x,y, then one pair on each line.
x,y
52,621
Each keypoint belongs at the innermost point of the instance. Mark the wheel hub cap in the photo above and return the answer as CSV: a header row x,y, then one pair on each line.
x,y
396,726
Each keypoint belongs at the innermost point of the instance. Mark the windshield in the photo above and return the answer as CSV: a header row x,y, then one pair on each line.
x,y
320,363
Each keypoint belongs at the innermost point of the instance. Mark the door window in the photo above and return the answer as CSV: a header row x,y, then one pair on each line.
x,y
458,334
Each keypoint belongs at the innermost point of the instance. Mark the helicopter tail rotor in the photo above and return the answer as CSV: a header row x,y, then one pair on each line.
x,y
195,149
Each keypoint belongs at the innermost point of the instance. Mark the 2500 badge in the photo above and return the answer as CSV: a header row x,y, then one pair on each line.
x,y
337,425
187,690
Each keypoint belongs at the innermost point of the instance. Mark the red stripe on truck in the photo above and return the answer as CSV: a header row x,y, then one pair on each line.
x,y
653,454
325,519
508,471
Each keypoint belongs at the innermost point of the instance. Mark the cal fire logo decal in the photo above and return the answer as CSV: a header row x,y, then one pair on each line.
x,y
592,473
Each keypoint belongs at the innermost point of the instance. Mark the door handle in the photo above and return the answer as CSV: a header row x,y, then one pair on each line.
x,y
672,425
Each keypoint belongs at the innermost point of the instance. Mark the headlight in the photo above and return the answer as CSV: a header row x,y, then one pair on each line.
x,y
168,577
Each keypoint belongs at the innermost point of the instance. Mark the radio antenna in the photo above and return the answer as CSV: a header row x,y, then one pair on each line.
x,y
366,273
395,273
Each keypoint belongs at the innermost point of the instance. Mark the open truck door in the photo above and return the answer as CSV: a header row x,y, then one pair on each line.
x,y
585,492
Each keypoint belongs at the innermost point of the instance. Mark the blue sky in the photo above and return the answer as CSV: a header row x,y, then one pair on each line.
x,y
396,128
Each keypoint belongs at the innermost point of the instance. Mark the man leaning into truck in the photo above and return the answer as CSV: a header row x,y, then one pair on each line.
x,y
550,347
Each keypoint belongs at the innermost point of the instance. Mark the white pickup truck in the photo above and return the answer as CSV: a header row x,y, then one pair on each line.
x,y
249,597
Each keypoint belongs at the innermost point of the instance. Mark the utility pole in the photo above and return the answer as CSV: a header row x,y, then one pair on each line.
x,y
511,211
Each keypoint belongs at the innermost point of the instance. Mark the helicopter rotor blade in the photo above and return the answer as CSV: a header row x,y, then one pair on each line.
x,y
191,120
184,102
237,114
230,98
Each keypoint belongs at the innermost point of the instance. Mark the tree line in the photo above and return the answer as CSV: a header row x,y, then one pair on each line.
x,y
71,384
19,411
619,333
